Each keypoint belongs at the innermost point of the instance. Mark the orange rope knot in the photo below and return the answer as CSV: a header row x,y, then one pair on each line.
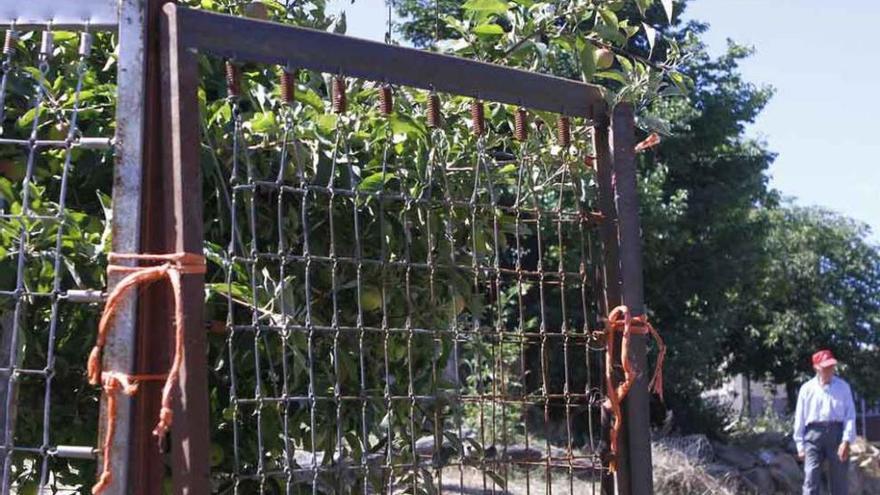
x,y
620,319
112,382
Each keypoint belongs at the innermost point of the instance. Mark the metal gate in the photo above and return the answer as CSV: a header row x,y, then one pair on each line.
x,y
408,259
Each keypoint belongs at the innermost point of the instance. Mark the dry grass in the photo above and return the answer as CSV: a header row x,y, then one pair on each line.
x,y
470,482
676,473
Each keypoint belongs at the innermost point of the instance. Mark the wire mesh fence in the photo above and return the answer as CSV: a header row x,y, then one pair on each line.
x,y
57,101
403,289
403,285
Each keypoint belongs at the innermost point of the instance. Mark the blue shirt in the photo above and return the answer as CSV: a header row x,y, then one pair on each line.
x,y
820,403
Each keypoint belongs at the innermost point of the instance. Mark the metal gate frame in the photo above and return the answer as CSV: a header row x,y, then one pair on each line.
x,y
186,32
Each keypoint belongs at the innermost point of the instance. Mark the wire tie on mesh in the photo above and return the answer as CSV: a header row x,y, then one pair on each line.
x,y
173,266
620,319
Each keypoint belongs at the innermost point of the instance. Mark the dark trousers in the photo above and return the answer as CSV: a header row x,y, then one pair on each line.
x,y
821,442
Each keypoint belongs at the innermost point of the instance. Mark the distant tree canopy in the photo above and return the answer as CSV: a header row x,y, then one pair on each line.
x,y
737,280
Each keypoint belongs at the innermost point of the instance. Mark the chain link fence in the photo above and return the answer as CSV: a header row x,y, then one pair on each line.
x,y
54,146
403,293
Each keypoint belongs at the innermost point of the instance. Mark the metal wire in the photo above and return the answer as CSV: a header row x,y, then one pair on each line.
x,y
403,322
42,120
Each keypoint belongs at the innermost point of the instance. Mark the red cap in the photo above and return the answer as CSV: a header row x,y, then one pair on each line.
x,y
823,359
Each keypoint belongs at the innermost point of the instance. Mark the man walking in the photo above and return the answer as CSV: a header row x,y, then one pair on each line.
x,y
825,425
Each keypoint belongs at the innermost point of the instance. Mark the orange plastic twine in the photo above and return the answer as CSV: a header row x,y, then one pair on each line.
x,y
620,319
649,142
114,382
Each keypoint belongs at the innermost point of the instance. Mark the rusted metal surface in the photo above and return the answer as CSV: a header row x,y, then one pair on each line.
x,y
97,14
610,278
285,45
190,436
626,196
153,347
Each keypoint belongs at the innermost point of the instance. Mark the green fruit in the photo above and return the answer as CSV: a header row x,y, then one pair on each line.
x,y
604,58
371,299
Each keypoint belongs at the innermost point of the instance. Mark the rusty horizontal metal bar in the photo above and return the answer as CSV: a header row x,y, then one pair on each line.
x,y
279,44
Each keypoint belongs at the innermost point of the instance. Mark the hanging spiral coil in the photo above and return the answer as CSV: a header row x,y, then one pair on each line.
x,y
563,131
9,43
340,103
386,100
288,86
520,124
433,111
233,80
478,117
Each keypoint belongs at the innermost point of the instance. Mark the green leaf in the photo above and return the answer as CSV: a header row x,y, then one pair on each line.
x,y
667,6
404,124
488,30
308,97
587,59
326,122
486,6
263,122
374,183
609,18
607,31
651,33
613,75
644,5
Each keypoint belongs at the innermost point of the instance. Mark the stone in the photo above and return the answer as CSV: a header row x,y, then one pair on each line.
x,y
761,479
735,456
784,469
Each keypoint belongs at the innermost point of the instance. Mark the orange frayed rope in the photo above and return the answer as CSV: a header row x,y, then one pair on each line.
x,y
620,319
114,382
649,142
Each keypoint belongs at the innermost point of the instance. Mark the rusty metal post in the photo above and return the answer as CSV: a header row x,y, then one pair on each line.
x,y
610,280
190,435
636,404
153,346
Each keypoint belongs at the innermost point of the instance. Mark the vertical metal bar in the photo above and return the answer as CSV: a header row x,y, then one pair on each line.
x,y
610,281
626,198
154,318
190,436
119,351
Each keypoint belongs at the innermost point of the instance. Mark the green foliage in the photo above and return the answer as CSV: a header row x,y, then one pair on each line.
x,y
820,288
73,226
559,38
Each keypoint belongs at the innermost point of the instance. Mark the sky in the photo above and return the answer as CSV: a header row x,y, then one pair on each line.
x,y
819,56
